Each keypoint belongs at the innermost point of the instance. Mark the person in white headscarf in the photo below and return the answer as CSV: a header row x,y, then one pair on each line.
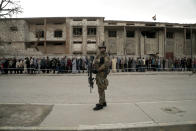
x,y
74,65
114,61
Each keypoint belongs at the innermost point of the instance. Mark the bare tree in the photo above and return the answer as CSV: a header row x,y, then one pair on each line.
x,y
9,8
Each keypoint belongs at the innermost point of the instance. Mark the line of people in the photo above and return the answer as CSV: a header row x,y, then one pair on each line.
x,y
43,65
31,65
128,64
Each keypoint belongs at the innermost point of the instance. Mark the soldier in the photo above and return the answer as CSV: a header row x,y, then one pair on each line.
x,y
101,64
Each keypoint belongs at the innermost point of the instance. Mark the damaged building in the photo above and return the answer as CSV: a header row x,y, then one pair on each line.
x,y
81,36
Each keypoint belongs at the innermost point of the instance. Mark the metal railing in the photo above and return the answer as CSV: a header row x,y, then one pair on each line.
x,y
60,70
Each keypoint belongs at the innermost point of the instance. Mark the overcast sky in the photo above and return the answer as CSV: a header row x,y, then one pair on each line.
x,y
175,11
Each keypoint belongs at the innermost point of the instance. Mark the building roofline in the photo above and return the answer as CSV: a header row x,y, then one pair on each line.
x,y
23,18
89,17
150,22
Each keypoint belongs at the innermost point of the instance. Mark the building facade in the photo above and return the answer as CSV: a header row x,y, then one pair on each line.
x,y
81,36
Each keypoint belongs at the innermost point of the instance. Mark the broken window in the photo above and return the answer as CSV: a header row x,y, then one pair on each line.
x,y
13,28
169,25
188,35
58,33
170,35
41,44
77,19
112,33
112,23
77,31
58,23
40,24
150,25
77,42
77,53
130,33
130,24
91,19
187,26
91,42
58,43
149,34
55,43
39,34
92,31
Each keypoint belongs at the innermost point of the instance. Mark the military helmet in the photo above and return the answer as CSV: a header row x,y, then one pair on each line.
x,y
102,45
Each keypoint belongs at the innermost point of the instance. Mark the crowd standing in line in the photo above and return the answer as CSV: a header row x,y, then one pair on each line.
x,y
32,65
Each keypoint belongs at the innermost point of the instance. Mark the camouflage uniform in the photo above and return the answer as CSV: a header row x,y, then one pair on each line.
x,y
101,76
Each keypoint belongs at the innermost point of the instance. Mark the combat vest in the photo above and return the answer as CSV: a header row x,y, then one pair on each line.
x,y
102,61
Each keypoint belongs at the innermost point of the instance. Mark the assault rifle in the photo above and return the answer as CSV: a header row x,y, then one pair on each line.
x,y
90,74
93,70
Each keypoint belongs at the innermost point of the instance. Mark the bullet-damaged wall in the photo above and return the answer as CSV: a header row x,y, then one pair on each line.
x,y
111,43
179,42
21,34
85,44
13,32
131,44
51,28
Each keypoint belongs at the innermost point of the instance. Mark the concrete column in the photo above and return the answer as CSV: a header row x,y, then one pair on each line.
x,y
98,35
84,37
68,37
165,41
45,30
184,47
194,43
161,43
138,46
107,41
100,31
101,34
125,42
120,42
191,44
142,45
158,43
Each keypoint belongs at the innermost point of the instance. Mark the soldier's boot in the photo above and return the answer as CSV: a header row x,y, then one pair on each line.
x,y
98,107
104,104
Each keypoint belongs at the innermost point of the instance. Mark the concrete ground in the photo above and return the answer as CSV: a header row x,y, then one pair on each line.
x,y
64,102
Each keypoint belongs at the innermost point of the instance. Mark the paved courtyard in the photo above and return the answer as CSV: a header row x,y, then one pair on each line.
x,y
147,99
70,89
